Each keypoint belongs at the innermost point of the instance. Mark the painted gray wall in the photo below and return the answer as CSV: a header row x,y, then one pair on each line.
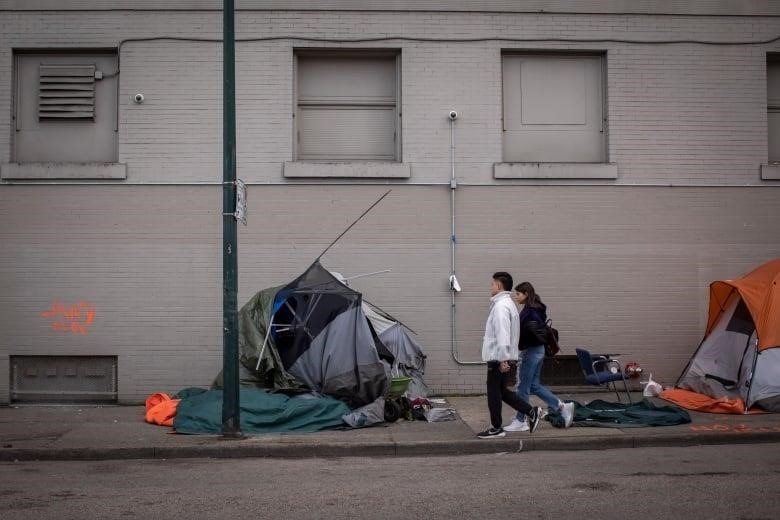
x,y
623,269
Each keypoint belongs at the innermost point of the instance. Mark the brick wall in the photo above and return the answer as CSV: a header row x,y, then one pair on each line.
x,y
623,265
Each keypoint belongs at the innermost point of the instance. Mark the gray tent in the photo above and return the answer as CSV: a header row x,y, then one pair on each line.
x,y
312,335
409,357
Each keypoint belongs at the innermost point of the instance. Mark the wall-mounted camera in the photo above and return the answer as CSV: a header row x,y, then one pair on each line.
x,y
138,98
453,115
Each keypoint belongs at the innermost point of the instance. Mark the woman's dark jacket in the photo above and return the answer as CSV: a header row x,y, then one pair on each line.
x,y
533,326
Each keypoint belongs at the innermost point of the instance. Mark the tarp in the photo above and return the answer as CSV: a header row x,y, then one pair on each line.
x,y
704,403
620,415
261,412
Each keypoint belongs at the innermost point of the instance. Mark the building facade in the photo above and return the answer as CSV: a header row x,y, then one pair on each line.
x,y
618,156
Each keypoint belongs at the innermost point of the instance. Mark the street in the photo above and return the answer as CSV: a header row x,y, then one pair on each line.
x,y
735,481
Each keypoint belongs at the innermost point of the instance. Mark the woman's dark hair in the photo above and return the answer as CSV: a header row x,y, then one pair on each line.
x,y
532,299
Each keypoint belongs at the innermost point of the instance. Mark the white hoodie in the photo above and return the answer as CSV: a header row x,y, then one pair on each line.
x,y
502,330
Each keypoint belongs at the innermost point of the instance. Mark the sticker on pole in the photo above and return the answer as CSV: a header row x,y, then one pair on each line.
x,y
240,213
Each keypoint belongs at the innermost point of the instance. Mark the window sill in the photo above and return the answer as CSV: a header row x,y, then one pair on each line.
x,y
355,170
555,171
62,171
770,172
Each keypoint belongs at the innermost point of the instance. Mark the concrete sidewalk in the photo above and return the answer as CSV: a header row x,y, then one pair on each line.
x,y
89,432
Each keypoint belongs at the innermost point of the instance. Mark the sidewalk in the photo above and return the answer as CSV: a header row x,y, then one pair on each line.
x,y
90,432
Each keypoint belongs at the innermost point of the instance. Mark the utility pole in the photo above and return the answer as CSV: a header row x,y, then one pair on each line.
x,y
231,419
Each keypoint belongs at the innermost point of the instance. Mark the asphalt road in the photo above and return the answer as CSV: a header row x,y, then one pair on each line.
x,y
708,482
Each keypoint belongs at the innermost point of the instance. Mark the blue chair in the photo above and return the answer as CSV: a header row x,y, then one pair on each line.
x,y
601,370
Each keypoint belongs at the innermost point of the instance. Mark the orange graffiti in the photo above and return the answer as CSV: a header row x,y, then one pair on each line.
x,y
737,428
76,319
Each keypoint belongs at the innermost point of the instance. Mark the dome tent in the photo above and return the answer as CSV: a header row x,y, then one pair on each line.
x,y
738,360
312,335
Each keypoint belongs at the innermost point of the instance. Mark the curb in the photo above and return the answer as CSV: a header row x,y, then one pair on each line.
x,y
394,449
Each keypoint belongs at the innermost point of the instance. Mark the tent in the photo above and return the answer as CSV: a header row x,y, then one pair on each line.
x,y
313,335
737,364
409,358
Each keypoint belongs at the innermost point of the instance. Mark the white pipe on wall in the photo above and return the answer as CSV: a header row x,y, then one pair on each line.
x,y
454,285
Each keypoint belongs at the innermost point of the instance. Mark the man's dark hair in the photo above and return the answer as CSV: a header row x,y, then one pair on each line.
x,y
504,278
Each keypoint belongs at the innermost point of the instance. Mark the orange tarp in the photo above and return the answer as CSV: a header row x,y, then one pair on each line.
x,y
761,294
705,403
161,409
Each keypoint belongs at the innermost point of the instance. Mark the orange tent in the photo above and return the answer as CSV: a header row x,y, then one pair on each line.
x,y
760,291
738,360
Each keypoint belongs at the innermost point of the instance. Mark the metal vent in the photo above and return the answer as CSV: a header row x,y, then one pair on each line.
x,y
66,92
75,379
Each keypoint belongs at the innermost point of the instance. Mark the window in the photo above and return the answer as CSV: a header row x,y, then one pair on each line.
x,y
773,106
347,106
553,108
65,107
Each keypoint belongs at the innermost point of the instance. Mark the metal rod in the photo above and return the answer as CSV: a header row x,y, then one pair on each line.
x,y
355,222
367,274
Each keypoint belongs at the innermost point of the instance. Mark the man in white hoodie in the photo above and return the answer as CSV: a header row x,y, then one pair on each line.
x,y
500,352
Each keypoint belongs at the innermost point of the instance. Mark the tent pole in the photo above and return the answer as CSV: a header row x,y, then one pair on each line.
x,y
353,223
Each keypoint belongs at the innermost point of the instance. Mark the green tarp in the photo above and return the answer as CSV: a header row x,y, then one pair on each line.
x,y
261,412
619,415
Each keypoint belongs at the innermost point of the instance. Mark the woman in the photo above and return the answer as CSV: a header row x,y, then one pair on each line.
x,y
533,319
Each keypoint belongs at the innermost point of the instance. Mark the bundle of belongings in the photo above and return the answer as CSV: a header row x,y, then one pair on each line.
x,y
312,348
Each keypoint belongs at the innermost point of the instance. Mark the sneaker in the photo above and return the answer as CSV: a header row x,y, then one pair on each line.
x,y
567,411
516,426
491,433
533,418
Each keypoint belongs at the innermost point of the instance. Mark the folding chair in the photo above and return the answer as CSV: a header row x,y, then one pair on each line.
x,y
601,370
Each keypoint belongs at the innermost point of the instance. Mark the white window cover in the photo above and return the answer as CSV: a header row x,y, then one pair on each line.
x,y
347,107
553,108
773,107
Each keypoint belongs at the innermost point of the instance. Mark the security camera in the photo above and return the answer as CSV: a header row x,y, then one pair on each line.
x,y
138,98
453,115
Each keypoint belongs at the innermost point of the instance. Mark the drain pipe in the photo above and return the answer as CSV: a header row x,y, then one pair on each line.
x,y
454,285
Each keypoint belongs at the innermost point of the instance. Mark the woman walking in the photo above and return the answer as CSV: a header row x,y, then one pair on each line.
x,y
533,318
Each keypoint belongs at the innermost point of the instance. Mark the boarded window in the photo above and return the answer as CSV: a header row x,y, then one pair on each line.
x,y
773,106
65,107
347,107
553,108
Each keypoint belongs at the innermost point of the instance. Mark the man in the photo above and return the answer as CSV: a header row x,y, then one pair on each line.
x,y
499,351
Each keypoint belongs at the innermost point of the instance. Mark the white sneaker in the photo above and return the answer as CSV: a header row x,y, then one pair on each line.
x,y
516,426
568,414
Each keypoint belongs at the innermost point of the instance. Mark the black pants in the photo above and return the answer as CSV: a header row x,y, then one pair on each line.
x,y
500,387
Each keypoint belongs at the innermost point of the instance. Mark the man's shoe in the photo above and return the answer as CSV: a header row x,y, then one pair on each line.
x,y
516,426
533,418
491,433
568,414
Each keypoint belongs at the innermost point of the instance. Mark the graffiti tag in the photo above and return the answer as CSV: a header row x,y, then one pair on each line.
x,y
738,428
76,319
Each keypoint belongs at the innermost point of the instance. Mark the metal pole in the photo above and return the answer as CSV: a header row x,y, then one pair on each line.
x,y
231,421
